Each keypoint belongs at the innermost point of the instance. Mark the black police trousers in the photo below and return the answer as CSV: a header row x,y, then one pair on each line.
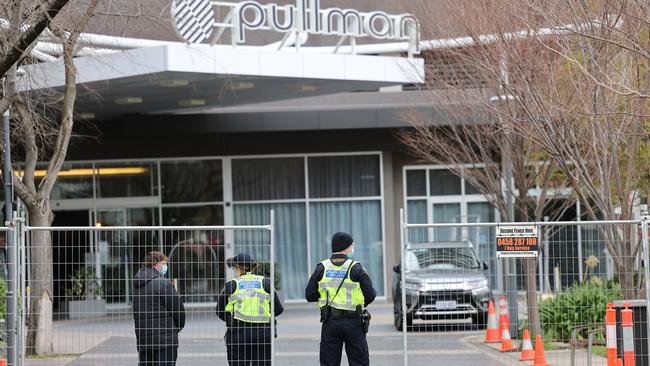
x,y
158,357
338,331
249,345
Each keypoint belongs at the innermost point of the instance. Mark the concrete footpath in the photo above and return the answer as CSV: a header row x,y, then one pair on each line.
x,y
558,357
111,341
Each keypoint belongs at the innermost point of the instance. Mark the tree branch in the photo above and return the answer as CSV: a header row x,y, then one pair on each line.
x,y
49,10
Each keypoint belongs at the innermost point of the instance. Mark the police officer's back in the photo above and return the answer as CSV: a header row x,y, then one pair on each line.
x,y
342,287
244,305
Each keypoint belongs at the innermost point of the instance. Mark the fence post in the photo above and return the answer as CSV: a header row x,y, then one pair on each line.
x,y
402,270
272,279
22,280
11,237
646,272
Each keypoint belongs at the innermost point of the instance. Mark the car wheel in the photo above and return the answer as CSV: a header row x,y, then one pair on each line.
x,y
398,319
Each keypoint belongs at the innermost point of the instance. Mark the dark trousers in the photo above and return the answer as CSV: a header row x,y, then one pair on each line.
x,y
158,357
250,345
338,331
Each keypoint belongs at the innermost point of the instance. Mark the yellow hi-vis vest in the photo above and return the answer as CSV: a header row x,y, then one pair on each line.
x,y
250,302
349,295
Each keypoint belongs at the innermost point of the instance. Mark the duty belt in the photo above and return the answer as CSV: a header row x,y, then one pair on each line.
x,y
338,313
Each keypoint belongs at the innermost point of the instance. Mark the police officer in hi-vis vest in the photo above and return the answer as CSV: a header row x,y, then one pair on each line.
x,y
245,306
342,288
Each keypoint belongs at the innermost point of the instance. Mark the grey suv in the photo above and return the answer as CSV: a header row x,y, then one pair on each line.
x,y
444,281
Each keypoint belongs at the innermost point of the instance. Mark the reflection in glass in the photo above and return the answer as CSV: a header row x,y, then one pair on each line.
x,y
73,181
268,179
196,257
196,260
344,176
191,181
362,220
122,251
443,183
193,215
125,179
416,182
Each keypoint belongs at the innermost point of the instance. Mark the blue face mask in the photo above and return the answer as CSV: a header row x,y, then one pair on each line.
x,y
351,254
163,270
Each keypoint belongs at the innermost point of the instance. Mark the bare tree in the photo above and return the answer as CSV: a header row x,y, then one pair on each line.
x,y
473,147
573,82
16,40
36,197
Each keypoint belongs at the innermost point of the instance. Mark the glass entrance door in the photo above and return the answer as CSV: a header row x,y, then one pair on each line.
x,y
120,252
115,256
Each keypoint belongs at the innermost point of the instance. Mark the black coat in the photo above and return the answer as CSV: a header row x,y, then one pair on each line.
x,y
158,311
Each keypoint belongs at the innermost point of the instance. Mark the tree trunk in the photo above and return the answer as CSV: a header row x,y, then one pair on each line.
x,y
39,336
530,273
626,278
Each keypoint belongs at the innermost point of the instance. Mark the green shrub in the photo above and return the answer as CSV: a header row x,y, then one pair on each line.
x,y
84,284
580,305
3,299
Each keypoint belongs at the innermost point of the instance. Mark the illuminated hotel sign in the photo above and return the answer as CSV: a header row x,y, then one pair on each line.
x,y
196,21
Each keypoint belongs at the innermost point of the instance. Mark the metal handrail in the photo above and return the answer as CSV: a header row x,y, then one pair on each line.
x,y
590,337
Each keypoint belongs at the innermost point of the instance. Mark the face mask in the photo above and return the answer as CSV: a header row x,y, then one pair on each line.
x,y
351,254
163,270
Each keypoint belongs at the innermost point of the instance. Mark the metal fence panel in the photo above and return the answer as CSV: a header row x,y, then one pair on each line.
x,y
90,289
581,267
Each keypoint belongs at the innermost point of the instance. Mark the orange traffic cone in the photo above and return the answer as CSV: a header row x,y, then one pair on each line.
x,y
619,362
506,342
3,362
540,359
504,320
527,352
492,334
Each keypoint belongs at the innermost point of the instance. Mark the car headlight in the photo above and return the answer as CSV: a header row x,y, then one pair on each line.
x,y
478,286
412,287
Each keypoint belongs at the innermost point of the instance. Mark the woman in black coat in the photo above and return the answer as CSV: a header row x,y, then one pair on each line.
x,y
158,313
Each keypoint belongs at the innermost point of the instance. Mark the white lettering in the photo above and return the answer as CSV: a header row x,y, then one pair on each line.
x,y
273,18
244,23
379,25
343,22
304,16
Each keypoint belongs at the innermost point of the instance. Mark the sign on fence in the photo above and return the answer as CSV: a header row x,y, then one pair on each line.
x,y
517,241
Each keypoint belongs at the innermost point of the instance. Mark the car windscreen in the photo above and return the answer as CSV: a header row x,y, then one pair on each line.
x,y
441,258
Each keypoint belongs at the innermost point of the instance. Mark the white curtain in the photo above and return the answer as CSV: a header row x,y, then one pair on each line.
x,y
290,241
362,219
416,213
446,213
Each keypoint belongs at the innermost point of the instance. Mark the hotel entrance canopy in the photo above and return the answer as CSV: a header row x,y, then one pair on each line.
x,y
171,77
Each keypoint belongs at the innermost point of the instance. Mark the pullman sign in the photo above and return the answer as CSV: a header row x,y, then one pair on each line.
x,y
196,21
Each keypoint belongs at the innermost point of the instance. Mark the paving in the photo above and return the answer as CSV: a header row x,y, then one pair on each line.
x,y
111,341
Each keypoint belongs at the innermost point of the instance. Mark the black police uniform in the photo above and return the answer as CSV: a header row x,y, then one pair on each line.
x,y
339,330
246,343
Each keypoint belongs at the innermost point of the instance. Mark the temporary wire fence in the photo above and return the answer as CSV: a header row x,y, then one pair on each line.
x,y
81,303
584,294
461,294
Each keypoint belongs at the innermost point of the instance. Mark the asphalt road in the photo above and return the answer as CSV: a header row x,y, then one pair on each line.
x,y
111,341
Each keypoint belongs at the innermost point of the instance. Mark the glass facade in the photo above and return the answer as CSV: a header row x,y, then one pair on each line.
x,y
312,196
